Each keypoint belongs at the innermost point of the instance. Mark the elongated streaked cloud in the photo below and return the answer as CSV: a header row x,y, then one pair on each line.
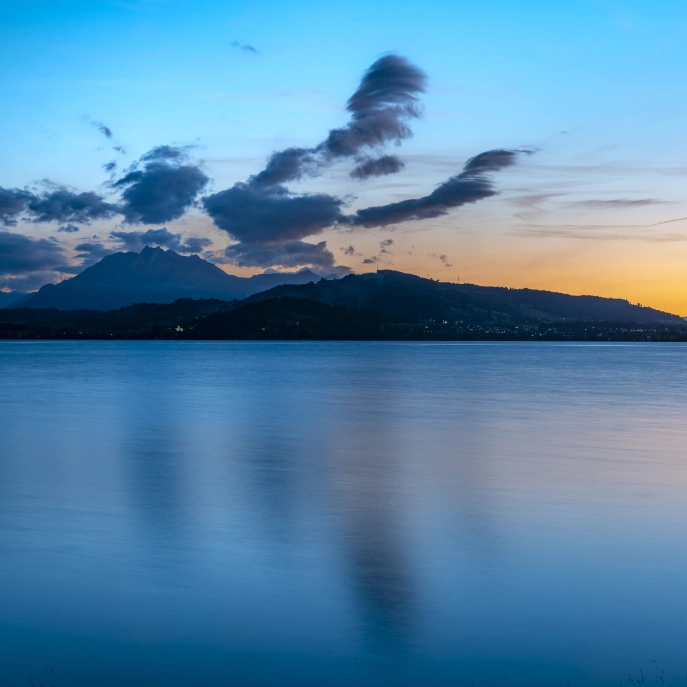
x,y
160,187
471,185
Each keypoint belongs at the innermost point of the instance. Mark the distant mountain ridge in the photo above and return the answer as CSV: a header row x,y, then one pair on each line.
x,y
158,276
152,276
406,297
9,297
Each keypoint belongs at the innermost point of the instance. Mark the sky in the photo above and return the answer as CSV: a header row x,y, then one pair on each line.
x,y
581,104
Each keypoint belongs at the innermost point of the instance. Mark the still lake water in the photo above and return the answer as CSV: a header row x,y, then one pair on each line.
x,y
231,513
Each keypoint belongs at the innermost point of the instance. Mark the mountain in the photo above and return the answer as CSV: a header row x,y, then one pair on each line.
x,y
406,298
153,276
8,298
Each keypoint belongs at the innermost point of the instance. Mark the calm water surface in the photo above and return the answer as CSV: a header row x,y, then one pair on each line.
x,y
179,514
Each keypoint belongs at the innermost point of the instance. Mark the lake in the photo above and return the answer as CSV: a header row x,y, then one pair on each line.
x,y
238,513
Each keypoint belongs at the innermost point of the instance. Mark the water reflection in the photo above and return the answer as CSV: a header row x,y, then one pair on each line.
x,y
343,513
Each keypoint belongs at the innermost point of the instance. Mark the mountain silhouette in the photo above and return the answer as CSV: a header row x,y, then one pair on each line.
x,y
152,276
408,298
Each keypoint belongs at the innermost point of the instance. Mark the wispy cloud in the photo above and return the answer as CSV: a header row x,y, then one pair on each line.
x,y
246,47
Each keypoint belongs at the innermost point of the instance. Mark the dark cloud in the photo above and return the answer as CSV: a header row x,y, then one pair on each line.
x,y
287,165
286,254
68,229
59,204
470,186
265,216
137,240
110,166
370,261
24,259
381,166
383,245
270,220
380,109
13,201
350,251
453,193
245,47
119,149
491,161
160,187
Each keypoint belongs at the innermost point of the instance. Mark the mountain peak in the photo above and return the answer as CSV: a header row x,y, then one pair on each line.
x,y
154,275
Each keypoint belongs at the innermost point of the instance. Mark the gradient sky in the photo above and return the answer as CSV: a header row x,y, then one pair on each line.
x,y
596,87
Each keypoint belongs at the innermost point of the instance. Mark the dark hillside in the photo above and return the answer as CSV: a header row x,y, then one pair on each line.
x,y
408,298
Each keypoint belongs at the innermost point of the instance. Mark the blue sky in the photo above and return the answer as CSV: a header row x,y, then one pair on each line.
x,y
596,87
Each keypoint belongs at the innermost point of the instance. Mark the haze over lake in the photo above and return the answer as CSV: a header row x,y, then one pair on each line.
x,y
181,513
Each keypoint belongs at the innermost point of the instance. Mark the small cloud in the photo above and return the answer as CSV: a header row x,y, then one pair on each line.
x,y
370,261
383,245
104,130
617,203
350,251
443,258
68,229
246,47
110,166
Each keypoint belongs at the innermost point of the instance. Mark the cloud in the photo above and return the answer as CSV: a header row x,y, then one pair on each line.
x,y
350,251
470,186
62,205
370,261
26,261
270,220
137,240
617,203
246,47
286,254
13,201
68,229
491,161
381,166
91,252
160,187
265,216
110,166
105,130
380,109
443,259
29,282
383,245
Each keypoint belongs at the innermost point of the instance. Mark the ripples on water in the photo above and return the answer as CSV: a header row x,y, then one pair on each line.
x,y
342,513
